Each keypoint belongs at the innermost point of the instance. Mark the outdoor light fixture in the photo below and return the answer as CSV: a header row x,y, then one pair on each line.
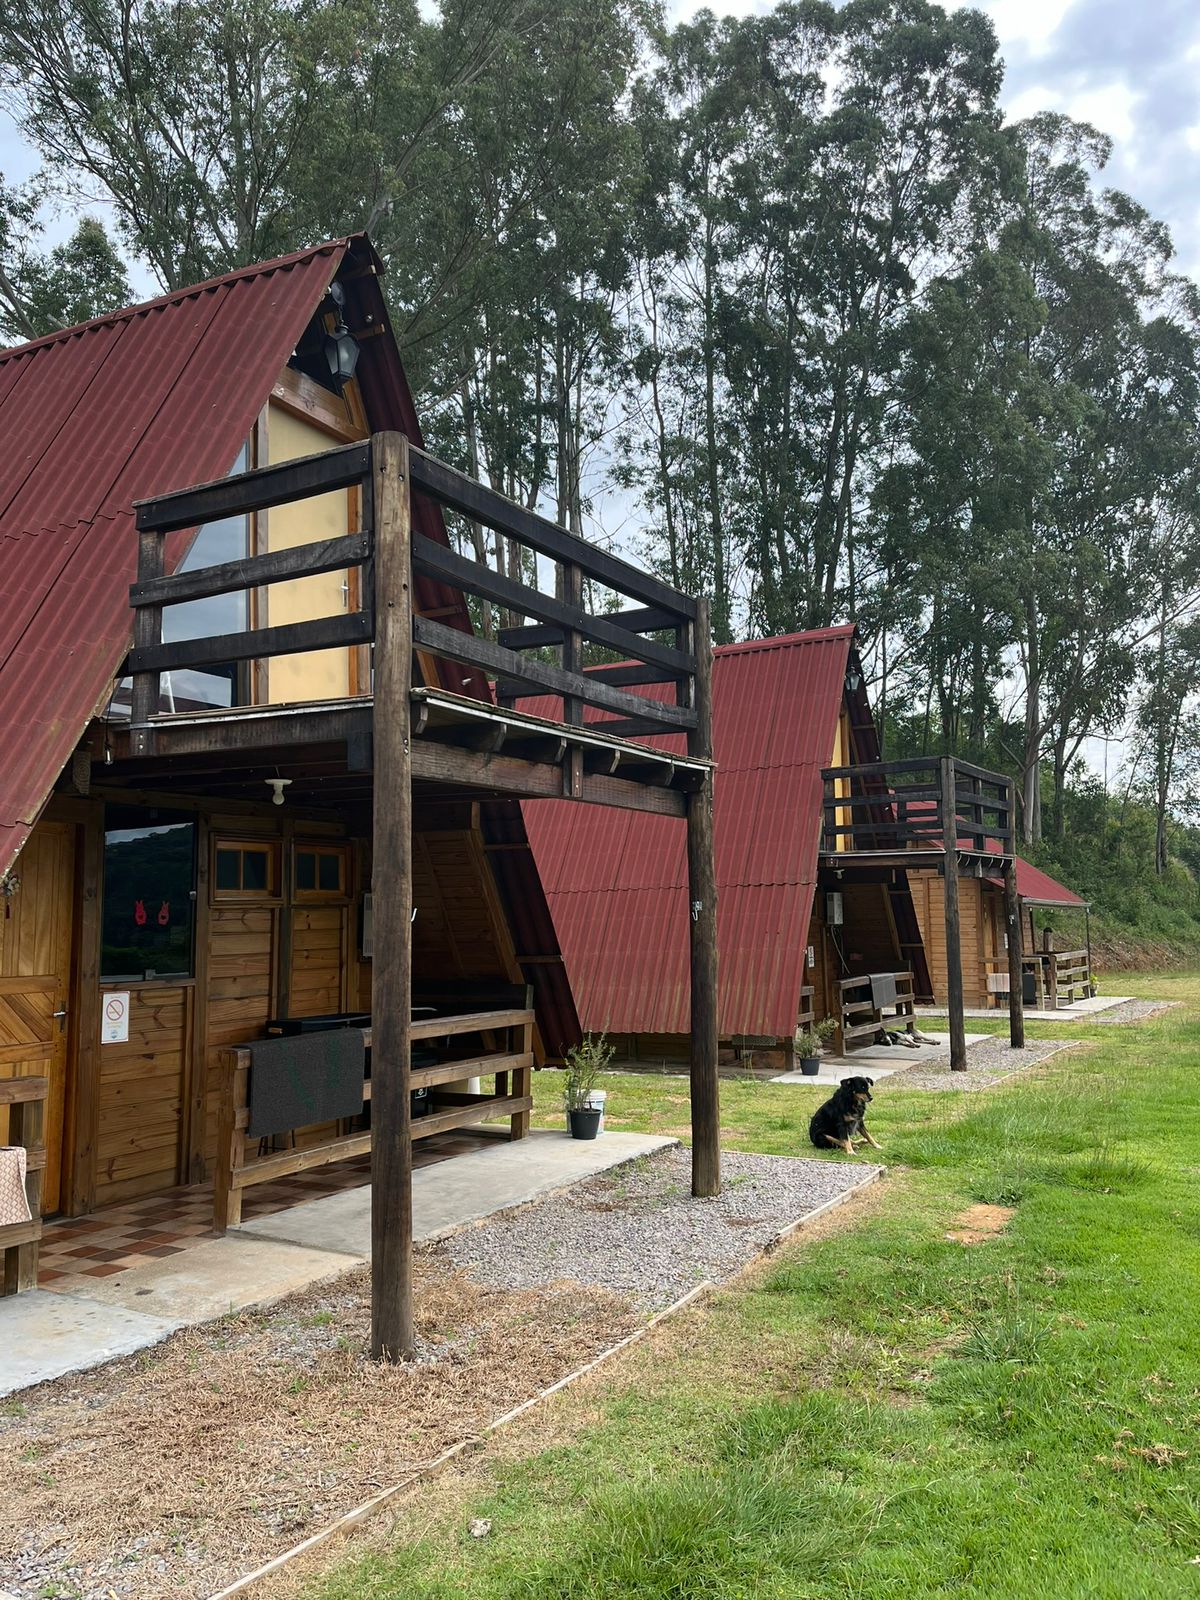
x,y
852,681
279,785
341,347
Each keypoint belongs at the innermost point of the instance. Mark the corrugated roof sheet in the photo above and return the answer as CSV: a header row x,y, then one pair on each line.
x,y
617,880
1038,888
1035,887
147,400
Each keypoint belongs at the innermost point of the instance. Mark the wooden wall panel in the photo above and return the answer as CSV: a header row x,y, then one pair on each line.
x,y
141,1094
241,992
318,960
929,901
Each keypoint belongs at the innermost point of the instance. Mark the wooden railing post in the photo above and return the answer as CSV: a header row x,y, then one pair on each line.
x,y
147,630
702,897
954,967
572,661
391,882
1016,974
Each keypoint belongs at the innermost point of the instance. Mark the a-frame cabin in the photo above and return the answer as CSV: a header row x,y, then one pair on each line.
x,y
297,794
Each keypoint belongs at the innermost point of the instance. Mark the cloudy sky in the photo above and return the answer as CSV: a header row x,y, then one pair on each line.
x,y
1129,67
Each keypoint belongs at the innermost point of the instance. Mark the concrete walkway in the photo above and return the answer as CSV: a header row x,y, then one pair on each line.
x,y
878,1061
45,1334
1079,1008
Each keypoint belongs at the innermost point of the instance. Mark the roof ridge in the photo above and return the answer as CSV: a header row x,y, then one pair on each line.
x,y
840,630
260,269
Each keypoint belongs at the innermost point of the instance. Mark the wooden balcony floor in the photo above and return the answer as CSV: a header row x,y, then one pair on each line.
x,y
323,748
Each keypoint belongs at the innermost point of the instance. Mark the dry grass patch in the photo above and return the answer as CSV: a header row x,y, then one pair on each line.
x,y
979,1223
169,1473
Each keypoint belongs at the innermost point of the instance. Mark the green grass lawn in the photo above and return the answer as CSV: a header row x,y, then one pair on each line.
x,y
885,1412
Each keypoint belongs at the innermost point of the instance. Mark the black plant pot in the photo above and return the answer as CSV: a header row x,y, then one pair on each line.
x,y
584,1124
810,1066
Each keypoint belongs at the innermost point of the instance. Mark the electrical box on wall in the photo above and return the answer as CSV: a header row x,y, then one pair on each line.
x,y
833,909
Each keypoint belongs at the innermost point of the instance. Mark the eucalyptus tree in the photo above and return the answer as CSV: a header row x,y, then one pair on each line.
x,y
1168,723
1116,382
41,290
871,164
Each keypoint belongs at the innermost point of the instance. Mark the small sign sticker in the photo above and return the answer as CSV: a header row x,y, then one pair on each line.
x,y
114,1019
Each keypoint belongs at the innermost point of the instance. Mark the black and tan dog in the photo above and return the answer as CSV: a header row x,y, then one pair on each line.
x,y
839,1121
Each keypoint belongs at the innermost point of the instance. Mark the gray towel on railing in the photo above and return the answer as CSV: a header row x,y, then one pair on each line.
x,y
305,1078
883,990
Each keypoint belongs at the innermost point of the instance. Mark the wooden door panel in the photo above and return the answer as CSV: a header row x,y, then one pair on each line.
x,y
35,969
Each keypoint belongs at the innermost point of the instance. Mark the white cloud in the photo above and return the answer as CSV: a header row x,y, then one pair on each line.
x,y
1029,24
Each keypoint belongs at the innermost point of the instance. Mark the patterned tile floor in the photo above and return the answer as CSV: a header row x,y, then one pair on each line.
x,y
139,1231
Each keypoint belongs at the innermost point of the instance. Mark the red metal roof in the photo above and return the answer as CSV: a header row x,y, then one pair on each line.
x,y
617,880
1038,888
1035,887
132,405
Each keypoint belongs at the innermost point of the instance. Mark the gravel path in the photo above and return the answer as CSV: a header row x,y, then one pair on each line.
x,y
638,1231
989,1061
1132,1011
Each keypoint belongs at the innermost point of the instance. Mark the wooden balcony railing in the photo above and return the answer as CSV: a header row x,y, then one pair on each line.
x,y
655,637
887,807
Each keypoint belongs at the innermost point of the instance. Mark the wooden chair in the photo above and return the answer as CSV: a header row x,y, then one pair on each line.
x,y
26,1102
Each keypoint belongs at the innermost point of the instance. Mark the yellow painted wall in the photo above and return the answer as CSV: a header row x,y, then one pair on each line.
x,y
320,674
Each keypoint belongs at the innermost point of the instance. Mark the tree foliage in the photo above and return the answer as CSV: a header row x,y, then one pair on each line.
x,y
840,340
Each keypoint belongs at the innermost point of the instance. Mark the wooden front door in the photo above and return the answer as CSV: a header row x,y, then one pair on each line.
x,y
35,971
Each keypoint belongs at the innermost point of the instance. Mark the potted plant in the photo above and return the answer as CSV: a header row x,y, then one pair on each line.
x,y
811,1041
585,1062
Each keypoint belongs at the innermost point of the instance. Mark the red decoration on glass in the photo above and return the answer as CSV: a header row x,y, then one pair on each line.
x,y
139,913
164,913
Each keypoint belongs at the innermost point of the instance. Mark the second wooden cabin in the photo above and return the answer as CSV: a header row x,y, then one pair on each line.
x,y
798,940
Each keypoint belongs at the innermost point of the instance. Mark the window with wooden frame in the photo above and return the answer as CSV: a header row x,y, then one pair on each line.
x,y
321,872
245,869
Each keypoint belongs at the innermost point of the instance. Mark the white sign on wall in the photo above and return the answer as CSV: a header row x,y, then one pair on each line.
x,y
114,1018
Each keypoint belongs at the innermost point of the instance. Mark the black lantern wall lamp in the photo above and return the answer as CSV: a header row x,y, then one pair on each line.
x,y
341,347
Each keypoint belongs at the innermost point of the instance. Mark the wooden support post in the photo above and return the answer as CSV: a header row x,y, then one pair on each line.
x,y
522,1085
1087,934
954,969
572,661
391,887
231,1141
147,630
702,898
1016,975
1050,963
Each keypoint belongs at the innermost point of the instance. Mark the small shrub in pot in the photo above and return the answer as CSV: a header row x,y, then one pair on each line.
x,y
585,1062
811,1042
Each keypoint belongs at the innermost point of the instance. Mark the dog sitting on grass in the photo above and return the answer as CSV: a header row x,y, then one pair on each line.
x,y
839,1122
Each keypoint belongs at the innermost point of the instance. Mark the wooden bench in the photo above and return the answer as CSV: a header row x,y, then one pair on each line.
x,y
19,1241
508,1041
